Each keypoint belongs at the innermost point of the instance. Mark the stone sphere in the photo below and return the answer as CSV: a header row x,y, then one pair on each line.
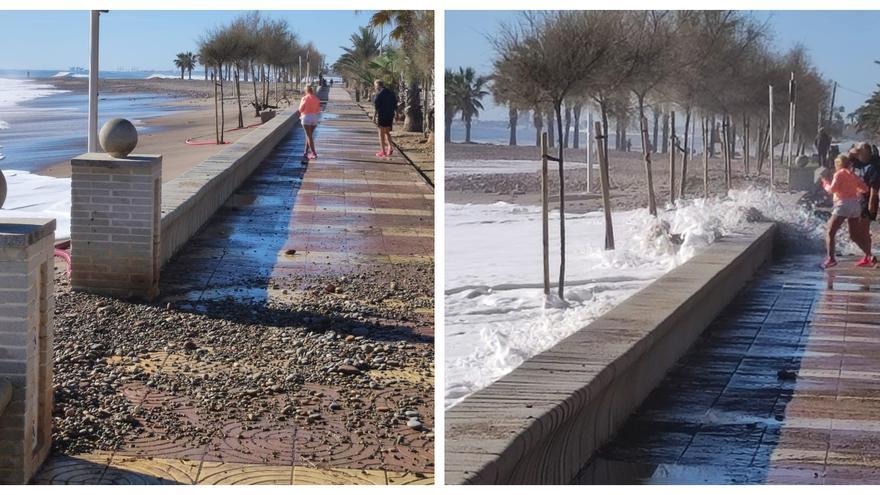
x,y
802,161
118,137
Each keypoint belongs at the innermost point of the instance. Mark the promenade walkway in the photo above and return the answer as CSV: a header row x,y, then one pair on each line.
x,y
264,283
784,387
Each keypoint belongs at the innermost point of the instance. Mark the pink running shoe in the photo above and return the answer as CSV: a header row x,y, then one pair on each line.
x,y
380,154
829,262
390,152
313,156
867,261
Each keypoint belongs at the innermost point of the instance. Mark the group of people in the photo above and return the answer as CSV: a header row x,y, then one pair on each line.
x,y
385,105
854,187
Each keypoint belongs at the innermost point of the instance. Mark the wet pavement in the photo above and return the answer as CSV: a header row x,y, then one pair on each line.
x,y
783,387
344,212
290,227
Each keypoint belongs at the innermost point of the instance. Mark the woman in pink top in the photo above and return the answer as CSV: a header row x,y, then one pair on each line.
x,y
846,187
310,114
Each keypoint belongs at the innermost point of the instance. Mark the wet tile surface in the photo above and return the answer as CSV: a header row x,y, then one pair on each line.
x,y
783,387
342,212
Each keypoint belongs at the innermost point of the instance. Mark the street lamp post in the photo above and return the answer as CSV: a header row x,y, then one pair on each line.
x,y
94,24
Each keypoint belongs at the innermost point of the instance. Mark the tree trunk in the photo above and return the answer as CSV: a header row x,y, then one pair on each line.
x,y
538,124
603,109
467,130
577,126
665,145
257,105
512,116
182,72
561,203
413,120
216,115
551,129
646,152
656,129
222,113
447,121
238,98
567,123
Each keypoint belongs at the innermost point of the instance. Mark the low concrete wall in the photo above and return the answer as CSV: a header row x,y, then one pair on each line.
x,y
541,423
189,200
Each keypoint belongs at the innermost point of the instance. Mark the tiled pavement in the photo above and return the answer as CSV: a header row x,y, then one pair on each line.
x,y
342,212
725,413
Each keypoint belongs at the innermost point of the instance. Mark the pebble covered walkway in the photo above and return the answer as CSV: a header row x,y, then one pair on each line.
x,y
343,223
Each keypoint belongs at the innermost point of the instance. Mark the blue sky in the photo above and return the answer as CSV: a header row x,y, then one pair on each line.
x,y
842,44
146,40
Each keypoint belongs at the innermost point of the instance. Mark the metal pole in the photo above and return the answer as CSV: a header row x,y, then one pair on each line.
x,y
94,22
770,130
299,75
590,154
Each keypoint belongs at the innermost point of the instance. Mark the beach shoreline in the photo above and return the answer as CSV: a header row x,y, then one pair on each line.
x,y
626,171
191,117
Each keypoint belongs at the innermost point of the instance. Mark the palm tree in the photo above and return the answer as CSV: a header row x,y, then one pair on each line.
x,y
453,85
354,64
406,26
180,63
470,93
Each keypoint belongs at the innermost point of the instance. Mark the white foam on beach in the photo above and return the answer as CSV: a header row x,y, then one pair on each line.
x,y
40,196
495,315
61,74
164,76
4,125
15,91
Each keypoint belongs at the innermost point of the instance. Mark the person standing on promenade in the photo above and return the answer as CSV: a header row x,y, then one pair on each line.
x,y
823,146
310,114
385,105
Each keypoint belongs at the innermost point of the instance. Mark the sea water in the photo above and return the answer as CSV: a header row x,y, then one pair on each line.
x,y
496,312
41,125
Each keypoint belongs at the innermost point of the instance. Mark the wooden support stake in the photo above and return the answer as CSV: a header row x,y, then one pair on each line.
x,y
590,154
646,149
705,157
725,152
603,178
545,212
672,157
770,133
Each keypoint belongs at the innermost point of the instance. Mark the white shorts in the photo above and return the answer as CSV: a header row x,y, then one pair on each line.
x,y
311,119
848,208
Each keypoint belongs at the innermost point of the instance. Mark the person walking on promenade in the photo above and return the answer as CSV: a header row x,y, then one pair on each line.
x,y
846,187
823,146
385,105
866,165
310,115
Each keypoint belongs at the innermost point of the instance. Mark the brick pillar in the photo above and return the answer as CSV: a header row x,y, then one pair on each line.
x,y
115,224
26,329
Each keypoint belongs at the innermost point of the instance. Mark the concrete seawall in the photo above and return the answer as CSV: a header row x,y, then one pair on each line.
x,y
189,201
543,421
